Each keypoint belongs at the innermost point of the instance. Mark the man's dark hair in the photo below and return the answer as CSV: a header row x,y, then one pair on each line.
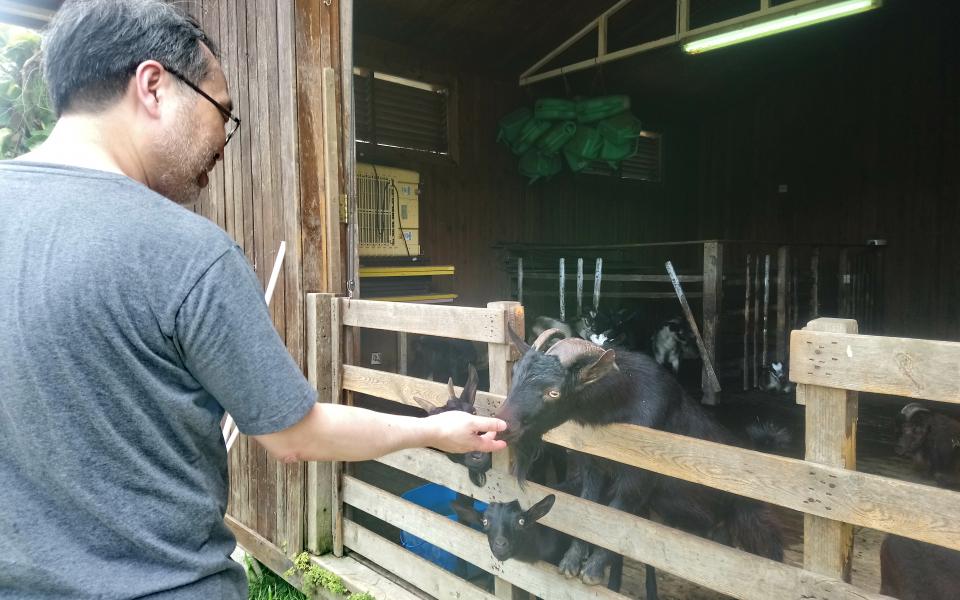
x,y
93,47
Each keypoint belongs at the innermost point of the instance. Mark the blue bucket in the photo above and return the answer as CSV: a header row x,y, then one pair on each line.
x,y
438,499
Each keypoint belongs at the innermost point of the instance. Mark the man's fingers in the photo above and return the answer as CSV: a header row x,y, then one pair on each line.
x,y
488,424
488,445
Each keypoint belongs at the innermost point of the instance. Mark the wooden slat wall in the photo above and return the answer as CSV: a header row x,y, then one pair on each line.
x,y
867,138
265,191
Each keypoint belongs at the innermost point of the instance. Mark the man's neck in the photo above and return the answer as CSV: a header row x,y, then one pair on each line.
x,y
89,142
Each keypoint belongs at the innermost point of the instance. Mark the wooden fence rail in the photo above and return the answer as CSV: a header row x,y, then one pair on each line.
x,y
825,487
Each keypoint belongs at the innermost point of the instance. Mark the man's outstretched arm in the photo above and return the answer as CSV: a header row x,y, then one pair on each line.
x,y
347,433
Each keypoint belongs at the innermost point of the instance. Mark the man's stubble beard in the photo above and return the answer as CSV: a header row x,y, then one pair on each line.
x,y
182,156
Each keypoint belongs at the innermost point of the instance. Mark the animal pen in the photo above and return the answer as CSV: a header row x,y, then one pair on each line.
x,y
831,363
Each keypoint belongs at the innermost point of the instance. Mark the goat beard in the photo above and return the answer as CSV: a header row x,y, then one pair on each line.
x,y
528,449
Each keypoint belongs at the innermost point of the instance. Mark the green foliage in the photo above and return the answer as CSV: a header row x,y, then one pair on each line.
x,y
25,115
315,578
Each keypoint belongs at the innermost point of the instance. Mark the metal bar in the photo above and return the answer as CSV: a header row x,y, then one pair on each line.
x,y
756,322
682,33
707,363
602,36
597,277
683,18
579,286
766,305
520,280
746,325
576,37
563,284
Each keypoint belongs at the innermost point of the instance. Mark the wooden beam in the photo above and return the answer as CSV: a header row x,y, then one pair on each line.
x,y
476,324
831,439
712,306
696,559
541,579
783,261
402,388
922,369
430,578
340,355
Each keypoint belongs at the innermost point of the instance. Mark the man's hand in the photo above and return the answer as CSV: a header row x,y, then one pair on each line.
x,y
459,432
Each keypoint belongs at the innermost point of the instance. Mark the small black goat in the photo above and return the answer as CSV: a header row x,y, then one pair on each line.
x,y
477,463
913,570
439,359
579,381
775,379
514,533
932,440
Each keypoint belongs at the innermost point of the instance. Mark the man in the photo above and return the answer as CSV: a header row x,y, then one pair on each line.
x,y
128,325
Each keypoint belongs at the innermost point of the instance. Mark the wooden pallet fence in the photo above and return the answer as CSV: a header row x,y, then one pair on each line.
x,y
825,487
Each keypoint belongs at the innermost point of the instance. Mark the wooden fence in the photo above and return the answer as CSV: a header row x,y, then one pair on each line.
x,y
830,363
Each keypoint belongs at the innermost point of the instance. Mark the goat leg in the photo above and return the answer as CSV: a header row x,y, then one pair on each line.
x,y
593,570
592,489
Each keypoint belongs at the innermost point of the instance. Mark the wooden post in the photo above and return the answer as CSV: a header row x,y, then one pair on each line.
x,y
320,344
831,439
712,300
711,375
756,322
501,358
783,260
337,354
402,349
843,289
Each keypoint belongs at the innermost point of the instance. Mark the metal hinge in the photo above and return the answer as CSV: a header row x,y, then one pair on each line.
x,y
343,208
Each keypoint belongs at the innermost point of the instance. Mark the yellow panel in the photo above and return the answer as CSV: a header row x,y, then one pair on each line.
x,y
407,271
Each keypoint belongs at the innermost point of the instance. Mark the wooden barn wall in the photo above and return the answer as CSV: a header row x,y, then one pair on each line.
x,y
473,201
867,138
265,191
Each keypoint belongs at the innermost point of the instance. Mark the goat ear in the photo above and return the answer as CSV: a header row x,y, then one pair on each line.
x,y
424,404
467,515
470,389
518,342
540,509
450,391
599,369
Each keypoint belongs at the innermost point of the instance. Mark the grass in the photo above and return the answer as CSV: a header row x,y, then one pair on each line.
x,y
264,584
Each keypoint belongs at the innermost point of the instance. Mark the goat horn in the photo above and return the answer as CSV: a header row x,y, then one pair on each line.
x,y
570,350
544,337
913,408
452,392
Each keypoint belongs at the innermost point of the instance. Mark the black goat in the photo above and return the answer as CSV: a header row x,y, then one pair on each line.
x,y
579,381
932,440
477,463
913,570
514,533
672,341
439,359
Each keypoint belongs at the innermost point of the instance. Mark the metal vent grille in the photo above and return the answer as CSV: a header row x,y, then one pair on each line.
x,y
376,207
645,164
401,113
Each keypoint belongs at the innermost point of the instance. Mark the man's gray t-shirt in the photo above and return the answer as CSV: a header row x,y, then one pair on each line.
x,y
128,324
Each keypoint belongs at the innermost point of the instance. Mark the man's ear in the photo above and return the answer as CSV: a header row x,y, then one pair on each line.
x,y
149,85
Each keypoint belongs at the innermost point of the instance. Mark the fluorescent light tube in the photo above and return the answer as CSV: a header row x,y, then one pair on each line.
x,y
777,25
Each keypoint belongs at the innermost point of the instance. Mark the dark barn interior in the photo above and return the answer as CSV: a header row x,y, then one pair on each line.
x,y
835,134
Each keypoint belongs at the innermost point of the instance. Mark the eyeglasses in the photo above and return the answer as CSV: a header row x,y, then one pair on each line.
x,y
231,123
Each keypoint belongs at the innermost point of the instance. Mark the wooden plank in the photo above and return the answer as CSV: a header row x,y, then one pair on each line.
x,y
579,286
339,355
923,369
541,579
319,510
712,301
625,278
764,354
331,175
402,388
815,285
360,577
562,292
909,509
698,560
597,279
713,382
437,582
638,295
830,439
476,324
501,358
756,322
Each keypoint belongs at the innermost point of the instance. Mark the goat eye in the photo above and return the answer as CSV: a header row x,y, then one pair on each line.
x,y
486,522
521,522
554,394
